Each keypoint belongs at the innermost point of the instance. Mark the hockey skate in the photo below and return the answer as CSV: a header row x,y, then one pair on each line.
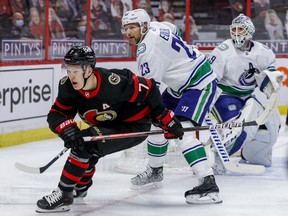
x,y
150,178
57,201
206,192
80,192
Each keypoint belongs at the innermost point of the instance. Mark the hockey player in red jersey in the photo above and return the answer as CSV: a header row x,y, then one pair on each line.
x,y
110,101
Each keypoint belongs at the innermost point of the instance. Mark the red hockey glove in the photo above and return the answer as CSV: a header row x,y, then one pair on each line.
x,y
171,125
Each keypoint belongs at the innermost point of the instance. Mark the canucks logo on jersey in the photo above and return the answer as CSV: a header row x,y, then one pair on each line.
x,y
247,78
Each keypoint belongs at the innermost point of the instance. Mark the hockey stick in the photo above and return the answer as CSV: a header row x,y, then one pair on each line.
x,y
259,121
221,150
39,170
157,132
225,159
270,106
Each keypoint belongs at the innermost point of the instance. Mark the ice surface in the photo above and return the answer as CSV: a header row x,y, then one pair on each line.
x,y
243,195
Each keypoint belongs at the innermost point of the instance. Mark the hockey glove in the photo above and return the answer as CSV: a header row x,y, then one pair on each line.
x,y
170,124
72,137
269,82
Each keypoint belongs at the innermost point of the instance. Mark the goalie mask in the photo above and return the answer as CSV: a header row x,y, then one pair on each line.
x,y
241,30
137,16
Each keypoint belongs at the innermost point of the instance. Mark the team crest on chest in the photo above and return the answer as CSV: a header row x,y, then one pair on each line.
x,y
93,117
141,49
114,79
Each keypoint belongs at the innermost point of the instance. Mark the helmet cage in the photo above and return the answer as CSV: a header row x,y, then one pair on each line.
x,y
241,30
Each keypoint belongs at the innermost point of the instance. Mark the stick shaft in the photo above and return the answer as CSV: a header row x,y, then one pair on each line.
x,y
156,132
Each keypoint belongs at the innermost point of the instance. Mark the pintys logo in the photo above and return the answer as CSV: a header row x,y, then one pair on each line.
x,y
285,71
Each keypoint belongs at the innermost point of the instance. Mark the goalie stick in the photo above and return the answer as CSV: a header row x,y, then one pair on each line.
x,y
225,159
262,118
221,150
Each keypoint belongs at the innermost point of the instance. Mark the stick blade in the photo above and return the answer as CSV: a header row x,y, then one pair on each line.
x,y
27,169
244,168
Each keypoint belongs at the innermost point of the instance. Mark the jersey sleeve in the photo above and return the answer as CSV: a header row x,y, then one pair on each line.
x,y
63,111
272,60
217,60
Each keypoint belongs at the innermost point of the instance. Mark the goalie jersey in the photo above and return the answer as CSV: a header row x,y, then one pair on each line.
x,y
235,68
154,60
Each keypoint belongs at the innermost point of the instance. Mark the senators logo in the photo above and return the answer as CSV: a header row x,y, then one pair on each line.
x,y
114,79
93,117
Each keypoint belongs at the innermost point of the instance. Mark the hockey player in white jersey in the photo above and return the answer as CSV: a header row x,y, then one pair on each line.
x,y
191,86
241,65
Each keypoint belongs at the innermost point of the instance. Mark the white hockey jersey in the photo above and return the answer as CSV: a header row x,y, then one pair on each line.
x,y
234,68
167,58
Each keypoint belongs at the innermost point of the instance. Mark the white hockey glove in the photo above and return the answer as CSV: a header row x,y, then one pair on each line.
x,y
269,81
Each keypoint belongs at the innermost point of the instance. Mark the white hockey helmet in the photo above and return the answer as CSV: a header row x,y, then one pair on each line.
x,y
242,29
139,16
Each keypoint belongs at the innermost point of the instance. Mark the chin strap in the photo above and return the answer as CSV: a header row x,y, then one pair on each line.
x,y
85,80
84,67
142,35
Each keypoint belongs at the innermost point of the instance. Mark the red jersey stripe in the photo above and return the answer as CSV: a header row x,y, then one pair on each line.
x,y
57,103
136,88
144,112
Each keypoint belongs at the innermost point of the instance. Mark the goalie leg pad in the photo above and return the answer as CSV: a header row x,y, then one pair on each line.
x,y
250,112
259,149
234,139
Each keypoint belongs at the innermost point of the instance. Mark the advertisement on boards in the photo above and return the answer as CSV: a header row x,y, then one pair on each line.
x,y
26,94
282,65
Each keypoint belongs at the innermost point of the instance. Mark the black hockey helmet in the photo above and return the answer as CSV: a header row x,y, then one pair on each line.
x,y
80,55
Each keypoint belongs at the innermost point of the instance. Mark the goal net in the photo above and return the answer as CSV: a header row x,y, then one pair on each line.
x,y
134,160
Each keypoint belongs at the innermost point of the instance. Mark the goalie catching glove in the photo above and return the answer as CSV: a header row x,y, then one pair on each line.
x,y
170,124
269,82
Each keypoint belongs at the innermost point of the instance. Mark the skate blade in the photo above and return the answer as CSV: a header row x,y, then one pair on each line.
x,y
211,198
56,210
152,185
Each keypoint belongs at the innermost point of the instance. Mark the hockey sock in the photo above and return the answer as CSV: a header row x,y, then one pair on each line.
x,y
72,172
